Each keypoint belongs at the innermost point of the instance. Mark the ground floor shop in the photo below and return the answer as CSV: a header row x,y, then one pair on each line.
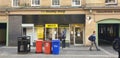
x,y
74,33
48,27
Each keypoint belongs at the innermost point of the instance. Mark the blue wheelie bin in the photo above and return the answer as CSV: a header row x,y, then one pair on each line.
x,y
55,46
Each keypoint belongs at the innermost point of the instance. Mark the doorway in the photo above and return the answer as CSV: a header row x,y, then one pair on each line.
x,y
28,30
3,29
76,34
107,33
51,31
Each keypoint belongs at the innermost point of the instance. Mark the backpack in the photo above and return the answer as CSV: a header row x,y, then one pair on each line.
x,y
90,38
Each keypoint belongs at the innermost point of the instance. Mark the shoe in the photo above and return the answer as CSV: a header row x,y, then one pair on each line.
x,y
98,49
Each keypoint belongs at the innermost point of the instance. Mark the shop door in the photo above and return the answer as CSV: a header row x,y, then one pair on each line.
x,y
51,31
78,35
28,30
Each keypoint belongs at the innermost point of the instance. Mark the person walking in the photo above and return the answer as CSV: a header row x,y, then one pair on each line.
x,y
116,45
92,39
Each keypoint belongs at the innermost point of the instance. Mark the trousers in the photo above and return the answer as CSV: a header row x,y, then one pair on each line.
x,y
93,42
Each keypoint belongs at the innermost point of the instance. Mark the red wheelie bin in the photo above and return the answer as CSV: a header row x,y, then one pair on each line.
x,y
47,47
39,46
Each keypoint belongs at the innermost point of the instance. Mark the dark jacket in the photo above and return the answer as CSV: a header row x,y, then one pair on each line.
x,y
92,38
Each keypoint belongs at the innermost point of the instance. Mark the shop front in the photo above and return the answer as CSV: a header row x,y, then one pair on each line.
x,y
49,27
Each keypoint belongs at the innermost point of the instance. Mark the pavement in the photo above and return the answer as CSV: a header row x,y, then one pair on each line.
x,y
68,52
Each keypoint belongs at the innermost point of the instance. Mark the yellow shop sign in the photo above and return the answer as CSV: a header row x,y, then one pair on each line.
x,y
51,25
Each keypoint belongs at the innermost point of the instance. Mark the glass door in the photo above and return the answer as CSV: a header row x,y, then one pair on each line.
x,y
78,35
51,31
28,30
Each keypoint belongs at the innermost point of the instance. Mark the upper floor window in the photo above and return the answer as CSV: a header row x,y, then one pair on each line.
x,y
76,2
55,2
15,3
35,2
111,1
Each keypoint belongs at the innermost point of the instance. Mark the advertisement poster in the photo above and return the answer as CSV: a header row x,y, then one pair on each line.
x,y
40,32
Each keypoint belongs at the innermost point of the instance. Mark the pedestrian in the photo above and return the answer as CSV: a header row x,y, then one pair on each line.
x,y
116,45
63,38
92,39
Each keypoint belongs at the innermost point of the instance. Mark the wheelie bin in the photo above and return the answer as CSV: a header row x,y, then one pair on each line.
x,y
55,46
23,44
47,47
39,46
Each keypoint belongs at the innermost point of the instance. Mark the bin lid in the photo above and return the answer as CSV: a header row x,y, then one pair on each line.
x,y
57,40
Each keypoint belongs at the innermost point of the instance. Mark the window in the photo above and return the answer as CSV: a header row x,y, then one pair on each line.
x,y
55,2
15,3
76,2
111,1
35,2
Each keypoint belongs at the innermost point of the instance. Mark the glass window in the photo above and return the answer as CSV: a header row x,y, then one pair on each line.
x,y
111,1
55,2
76,2
15,3
35,2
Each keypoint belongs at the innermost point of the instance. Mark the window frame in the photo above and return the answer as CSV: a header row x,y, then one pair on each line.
x,y
15,5
55,5
111,2
35,4
74,4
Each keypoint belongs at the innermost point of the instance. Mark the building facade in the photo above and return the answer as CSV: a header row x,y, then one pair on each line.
x,y
47,19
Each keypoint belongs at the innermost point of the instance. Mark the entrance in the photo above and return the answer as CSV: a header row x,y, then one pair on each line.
x,y
3,28
28,30
107,33
77,34
51,31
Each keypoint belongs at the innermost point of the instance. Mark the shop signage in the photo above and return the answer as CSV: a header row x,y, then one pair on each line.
x,y
39,25
51,25
52,12
66,25
108,11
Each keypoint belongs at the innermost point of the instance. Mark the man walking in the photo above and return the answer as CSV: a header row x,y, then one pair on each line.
x,y
92,38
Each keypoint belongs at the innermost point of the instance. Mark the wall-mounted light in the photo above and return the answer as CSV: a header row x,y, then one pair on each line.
x,y
88,17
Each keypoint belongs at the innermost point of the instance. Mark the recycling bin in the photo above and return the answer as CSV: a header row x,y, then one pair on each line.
x,y
47,47
24,44
39,46
55,46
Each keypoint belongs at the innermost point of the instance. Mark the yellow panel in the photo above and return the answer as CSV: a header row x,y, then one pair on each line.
x,y
40,32
51,25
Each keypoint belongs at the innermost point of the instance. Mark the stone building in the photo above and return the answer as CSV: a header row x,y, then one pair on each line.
x,y
46,19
